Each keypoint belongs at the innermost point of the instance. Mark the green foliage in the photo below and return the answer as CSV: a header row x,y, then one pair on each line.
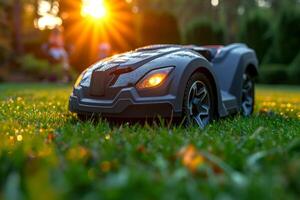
x,y
294,70
274,74
159,28
204,32
38,68
46,152
284,48
255,31
287,40
34,66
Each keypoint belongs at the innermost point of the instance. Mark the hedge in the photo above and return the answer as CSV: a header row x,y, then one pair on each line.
x,y
255,31
204,32
286,41
294,70
158,28
274,74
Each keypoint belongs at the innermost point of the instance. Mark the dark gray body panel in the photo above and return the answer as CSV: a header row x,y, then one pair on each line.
x,y
123,99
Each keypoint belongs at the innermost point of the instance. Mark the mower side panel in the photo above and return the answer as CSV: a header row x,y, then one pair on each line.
x,y
230,65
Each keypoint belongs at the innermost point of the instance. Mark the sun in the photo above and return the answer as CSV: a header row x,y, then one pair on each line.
x,y
101,21
95,9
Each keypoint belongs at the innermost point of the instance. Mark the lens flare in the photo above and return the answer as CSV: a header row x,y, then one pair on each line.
x,y
95,9
98,22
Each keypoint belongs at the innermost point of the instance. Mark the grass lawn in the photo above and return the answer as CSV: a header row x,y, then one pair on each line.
x,y
45,153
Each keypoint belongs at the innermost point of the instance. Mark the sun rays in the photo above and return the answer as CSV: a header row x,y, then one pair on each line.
x,y
98,22
94,9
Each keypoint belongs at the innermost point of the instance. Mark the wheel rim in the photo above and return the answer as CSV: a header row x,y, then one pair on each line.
x,y
199,104
247,95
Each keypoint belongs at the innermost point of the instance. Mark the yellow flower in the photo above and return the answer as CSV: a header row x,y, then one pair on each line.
x,y
107,137
19,138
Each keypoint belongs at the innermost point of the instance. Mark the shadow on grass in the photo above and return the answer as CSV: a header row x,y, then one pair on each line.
x,y
171,123
117,122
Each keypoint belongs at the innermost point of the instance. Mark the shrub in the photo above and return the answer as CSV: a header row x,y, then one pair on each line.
x,y
274,74
32,65
255,32
38,68
159,27
294,71
41,69
204,32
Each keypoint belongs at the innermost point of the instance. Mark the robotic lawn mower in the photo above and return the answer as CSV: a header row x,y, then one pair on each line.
x,y
193,83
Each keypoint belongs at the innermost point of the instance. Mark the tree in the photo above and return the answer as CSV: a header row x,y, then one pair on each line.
x,y
5,34
17,26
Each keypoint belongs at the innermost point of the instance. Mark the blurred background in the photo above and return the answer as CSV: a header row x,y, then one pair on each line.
x,y
53,40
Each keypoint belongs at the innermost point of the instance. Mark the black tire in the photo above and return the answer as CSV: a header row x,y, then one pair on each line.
x,y
195,102
248,95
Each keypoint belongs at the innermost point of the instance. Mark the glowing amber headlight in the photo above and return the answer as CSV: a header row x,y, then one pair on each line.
x,y
154,78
